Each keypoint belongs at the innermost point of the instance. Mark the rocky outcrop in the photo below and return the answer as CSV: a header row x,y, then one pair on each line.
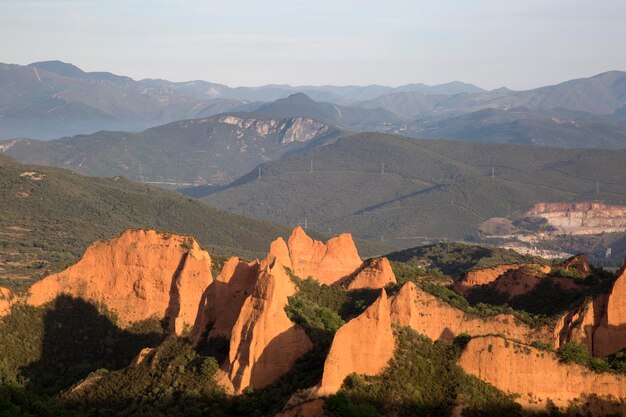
x,y
521,281
313,408
600,323
375,273
537,377
364,345
264,343
438,320
222,301
610,335
327,263
578,263
580,324
5,301
482,276
137,275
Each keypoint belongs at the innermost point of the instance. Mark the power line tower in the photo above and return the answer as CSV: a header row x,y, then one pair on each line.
x,y
311,166
259,172
382,168
306,223
597,187
493,172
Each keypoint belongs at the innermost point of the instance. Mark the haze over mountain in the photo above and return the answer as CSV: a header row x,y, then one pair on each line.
x,y
51,99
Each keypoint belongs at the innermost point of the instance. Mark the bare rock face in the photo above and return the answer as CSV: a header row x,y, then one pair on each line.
x,y
264,343
5,301
375,273
482,276
137,275
327,263
279,249
222,301
313,408
578,263
438,320
599,324
610,336
521,281
364,345
538,377
580,324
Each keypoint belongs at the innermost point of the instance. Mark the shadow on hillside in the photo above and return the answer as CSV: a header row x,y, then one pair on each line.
x,y
78,340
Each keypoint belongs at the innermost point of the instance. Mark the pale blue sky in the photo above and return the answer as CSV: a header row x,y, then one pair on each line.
x,y
520,44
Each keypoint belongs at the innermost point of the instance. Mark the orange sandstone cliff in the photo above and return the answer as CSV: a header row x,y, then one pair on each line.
x,y
264,343
436,319
222,301
364,345
538,377
375,273
482,276
600,323
137,275
327,263
5,301
610,335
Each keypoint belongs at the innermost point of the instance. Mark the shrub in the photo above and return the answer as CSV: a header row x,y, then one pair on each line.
x,y
573,352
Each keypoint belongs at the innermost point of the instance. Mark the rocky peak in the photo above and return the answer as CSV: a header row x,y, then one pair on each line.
x,y
137,275
264,343
223,299
374,273
327,263
364,345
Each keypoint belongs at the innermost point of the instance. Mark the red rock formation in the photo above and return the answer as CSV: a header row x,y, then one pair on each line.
x,y
516,282
327,263
438,320
222,301
482,276
313,408
580,324
137,275
364,345
610,335
264,343
537,376
5,301
375,273
578,263
279,249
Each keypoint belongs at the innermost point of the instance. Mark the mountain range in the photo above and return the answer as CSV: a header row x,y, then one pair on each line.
x,y
51,99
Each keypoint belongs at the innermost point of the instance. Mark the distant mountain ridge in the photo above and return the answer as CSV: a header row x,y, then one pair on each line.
x,y
601,94
213,150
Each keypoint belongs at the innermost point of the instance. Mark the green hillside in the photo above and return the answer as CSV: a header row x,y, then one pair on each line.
x,y
46,224
406,191
212,150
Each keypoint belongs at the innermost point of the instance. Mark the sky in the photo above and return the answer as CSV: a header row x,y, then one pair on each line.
x,y
491,43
